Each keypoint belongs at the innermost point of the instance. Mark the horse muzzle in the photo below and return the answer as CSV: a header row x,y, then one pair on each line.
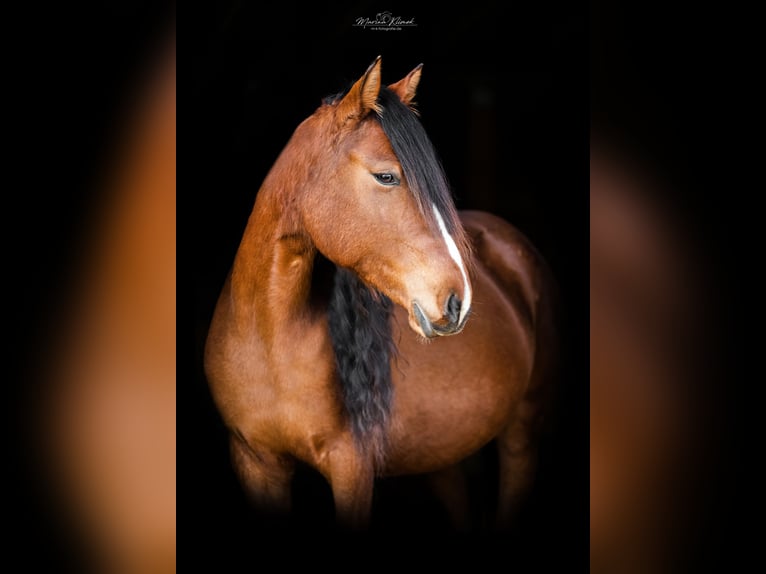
x,y
449,324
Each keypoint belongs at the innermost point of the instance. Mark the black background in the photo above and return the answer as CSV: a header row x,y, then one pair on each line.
x,y
504,98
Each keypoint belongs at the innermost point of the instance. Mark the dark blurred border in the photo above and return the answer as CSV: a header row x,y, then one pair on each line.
x,y
673,93
72,73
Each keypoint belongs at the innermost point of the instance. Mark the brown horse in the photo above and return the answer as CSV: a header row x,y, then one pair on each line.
x,y
306,365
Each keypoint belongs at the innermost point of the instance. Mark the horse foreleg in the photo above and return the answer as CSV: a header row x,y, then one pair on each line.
x,y
352,480
517,454
265,476
449,486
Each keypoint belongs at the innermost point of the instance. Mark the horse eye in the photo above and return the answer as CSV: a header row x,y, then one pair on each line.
x,y
386,178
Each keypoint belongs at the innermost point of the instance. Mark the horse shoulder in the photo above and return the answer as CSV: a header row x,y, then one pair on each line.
x,y
236,368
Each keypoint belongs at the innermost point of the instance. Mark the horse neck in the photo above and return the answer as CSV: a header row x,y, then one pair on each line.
x,y
271,277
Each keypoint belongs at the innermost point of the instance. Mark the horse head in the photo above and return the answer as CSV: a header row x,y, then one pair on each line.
x,y
378,203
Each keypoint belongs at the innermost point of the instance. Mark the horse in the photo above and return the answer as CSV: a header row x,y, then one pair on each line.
x,y
367,328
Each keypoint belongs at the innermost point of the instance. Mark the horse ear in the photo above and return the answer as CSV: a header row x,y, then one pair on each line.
x,y
363,95
407,86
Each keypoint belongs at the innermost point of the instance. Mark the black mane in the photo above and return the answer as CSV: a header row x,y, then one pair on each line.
x,y
360,330
359,316
419,160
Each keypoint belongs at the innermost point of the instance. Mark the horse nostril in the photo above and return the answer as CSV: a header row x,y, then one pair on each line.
x,y
453,309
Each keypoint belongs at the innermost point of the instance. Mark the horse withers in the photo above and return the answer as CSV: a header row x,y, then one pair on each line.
x,y
433,336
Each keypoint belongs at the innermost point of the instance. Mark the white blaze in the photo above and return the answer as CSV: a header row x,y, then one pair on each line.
x,y
455,254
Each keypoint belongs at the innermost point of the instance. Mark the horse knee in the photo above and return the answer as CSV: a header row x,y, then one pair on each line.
x,y
517,453
451,488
